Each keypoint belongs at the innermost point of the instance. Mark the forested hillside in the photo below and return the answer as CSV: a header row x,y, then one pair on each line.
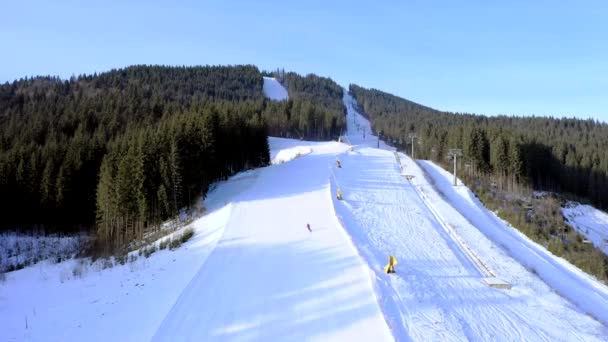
x,y
314,110
561,155
126,149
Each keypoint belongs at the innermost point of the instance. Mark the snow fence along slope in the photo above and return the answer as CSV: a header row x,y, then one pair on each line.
x,y
569,281
438,293
270,279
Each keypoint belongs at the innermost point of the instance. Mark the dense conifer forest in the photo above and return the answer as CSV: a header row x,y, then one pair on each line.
x,y
314,110
124,150
542,153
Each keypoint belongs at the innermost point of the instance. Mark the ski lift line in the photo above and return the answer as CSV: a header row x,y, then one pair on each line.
x,y
489,276
471,255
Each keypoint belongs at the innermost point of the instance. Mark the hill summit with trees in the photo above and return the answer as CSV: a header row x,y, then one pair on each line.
x,y
122,151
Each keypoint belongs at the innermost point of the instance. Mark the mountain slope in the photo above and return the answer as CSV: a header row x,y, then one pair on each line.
x,y
270,279
438,292
252,271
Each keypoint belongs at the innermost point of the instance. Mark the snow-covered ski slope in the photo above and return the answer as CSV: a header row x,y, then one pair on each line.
x,y
438,292
270,279
580,288
253,272
274,90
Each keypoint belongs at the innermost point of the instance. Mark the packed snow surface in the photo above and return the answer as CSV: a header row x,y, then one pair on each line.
x,y
274,90
253,271
270,279
439,292
581,289
590,222
284,150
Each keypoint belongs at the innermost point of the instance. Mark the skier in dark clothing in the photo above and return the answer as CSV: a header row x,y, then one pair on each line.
x,y
308,226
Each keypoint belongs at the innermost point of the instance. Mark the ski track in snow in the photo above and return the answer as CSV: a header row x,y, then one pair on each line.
x,y
270,279
438,293
579,287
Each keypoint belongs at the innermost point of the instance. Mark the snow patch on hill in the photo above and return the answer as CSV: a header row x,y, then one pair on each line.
x,y
590,222
274,90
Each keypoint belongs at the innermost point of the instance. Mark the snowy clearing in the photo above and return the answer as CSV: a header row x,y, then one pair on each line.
x,y
590,222
274,90
270,279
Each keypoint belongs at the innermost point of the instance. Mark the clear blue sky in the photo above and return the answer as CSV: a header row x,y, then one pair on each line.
x,y
518,57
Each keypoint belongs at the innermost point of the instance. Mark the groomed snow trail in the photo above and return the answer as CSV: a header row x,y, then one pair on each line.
x,y
270,279
438,294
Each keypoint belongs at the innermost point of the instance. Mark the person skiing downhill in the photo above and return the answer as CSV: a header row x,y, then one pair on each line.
x,y
308,226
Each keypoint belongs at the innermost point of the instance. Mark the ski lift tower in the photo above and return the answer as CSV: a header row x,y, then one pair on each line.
x,y
454,153
412,136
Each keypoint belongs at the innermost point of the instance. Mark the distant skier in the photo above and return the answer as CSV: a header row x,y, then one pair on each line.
x,y
308,226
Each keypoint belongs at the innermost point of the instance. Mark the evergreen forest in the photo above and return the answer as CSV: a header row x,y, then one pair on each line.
x,y
119,152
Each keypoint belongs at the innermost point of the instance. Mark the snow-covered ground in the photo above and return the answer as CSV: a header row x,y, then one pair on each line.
x,y
270,279
590,222
581,289
439,292
274,90
284,150
251,272
76,301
